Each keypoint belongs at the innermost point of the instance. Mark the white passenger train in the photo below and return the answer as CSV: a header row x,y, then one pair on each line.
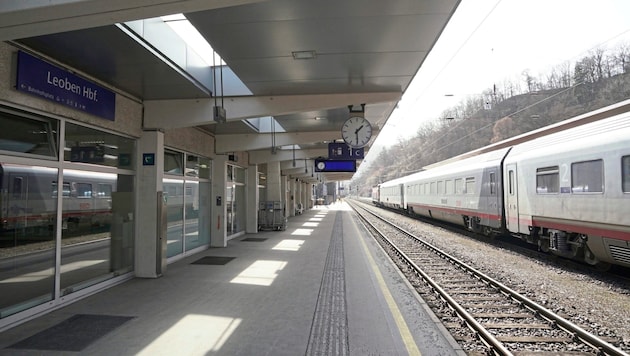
x,y
28,202
568,191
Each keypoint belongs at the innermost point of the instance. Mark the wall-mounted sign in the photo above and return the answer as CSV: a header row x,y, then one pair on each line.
x,y
42,79
343,151
331,165
148,159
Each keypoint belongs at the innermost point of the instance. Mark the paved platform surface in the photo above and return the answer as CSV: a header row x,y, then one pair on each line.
x,y
322,287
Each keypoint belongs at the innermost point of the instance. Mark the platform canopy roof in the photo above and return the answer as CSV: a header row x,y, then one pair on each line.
x,y
293,68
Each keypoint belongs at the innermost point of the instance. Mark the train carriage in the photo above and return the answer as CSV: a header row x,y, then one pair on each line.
x,y
392,194
565,187
465,192
569,192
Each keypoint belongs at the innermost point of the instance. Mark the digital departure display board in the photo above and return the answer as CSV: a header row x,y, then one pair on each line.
x,y
332,165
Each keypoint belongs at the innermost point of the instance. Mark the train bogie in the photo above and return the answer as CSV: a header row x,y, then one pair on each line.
x,y
569,192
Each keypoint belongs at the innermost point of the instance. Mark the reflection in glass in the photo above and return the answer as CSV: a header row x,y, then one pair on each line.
x,y
239,209
87,145
97,228
175,193
27,236
173,162
193,235
36,136
229,208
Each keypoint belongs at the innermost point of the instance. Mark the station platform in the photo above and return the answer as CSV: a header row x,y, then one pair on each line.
x,y
321,287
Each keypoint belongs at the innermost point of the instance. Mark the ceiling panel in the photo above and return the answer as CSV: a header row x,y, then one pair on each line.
x,y
361,46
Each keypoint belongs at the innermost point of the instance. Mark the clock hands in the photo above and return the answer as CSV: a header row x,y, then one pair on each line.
x,y
356,133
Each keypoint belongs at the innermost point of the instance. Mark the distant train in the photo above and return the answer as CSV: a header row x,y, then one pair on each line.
x,y
566,191
28,202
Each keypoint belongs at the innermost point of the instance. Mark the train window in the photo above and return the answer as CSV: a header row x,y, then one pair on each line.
x,y
459,186
84,190
104,190
16,188
625,174
449,187
493,183
440,187
511,181
432,188
547,180
587,177
66,189
470,185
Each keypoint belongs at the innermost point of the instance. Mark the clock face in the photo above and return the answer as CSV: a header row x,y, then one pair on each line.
x,y
356,132
321,165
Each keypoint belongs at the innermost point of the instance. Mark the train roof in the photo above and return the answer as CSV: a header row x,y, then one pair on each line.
x,y
608,122
580,120
610,130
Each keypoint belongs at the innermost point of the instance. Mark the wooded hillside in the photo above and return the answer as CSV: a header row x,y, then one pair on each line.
x,y
505,111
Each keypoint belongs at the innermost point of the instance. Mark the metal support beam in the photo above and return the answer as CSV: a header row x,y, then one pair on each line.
x,y
249,142
264,156
195,112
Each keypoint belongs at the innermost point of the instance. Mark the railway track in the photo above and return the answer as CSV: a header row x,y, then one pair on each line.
x,y
483,314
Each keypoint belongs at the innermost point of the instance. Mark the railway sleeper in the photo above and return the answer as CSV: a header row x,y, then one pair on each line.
x,y
517,326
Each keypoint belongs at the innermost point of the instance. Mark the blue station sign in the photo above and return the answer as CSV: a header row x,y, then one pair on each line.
x,y
343,151
42,79
332,165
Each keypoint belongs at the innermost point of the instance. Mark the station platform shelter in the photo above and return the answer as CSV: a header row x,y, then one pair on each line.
x,y
126,150
320,287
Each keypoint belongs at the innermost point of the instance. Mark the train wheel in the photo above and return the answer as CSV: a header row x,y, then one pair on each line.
x,y
592,260
543,245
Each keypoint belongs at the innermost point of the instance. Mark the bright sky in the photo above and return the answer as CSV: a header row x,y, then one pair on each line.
x,y
491,41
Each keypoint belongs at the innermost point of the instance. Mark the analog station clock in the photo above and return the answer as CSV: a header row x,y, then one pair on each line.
x,y
356,131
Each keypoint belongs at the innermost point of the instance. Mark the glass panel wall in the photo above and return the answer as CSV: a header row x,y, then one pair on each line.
x,y
187,189
97,208
85,209
28,206
28,135
235,200
86,145
174,192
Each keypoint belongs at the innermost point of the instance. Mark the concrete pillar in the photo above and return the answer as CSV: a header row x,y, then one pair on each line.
x,y
251,190
285,195
274,186
304,191
298,194
292,196
150,260
218,237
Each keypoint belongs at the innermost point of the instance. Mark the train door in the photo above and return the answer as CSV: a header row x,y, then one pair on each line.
x,y
511,199
16,201
402,197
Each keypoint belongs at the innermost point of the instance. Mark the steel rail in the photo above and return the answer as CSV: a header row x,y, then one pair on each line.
x,y
484,335
597,343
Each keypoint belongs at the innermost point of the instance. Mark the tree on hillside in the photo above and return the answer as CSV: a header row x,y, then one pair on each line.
x,y
601,78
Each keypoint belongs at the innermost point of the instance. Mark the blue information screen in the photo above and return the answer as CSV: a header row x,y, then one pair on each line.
x,y
331,165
